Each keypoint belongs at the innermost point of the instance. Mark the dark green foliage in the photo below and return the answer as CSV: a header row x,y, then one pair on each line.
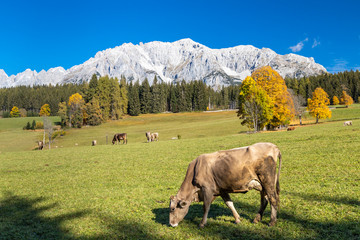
x,y
156,92
333,84
124,101
33,125
27,126
134,99
145,97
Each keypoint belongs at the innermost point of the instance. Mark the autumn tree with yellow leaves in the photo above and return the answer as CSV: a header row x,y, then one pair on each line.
x,y
274,85
45,110
335,100
255,105
76,113
345,99
15,112
318,104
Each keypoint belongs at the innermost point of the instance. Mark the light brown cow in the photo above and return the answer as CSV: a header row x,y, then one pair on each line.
x,y
231,171
290,129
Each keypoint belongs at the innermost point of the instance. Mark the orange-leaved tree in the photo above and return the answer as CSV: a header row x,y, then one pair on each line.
x,y
255,105
335,100
275,87
318,104
345,99
45,110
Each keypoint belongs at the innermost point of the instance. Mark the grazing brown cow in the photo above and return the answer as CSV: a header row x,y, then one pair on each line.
x,y
231,171
290,129
118,137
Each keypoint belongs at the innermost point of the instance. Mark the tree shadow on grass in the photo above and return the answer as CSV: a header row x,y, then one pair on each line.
x,y
195,211
21,218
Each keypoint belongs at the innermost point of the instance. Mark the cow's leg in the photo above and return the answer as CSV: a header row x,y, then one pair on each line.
x,y
263,205
272,198
230,204
208,199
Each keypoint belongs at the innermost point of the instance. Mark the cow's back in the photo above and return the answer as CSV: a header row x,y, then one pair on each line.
x,y
232,169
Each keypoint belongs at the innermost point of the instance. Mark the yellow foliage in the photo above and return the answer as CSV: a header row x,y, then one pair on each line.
x,y
15,112
75,99
318,104
275,86
335,100
45,110
346,99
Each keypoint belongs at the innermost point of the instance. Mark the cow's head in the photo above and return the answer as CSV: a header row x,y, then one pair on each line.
x,y
178,210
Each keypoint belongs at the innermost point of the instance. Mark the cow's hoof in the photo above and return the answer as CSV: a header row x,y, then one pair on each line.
x,y
201,225
257,219
272,223
237,221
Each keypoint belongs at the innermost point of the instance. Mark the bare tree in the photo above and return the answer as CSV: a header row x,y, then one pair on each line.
x,y
299,104
48,126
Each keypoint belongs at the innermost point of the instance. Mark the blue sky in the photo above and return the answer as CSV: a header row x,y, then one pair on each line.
x,y
45,34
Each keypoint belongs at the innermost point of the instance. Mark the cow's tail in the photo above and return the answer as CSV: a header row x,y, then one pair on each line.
x,y
277,181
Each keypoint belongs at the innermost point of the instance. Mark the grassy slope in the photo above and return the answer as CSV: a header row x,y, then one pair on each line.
x,y
122,192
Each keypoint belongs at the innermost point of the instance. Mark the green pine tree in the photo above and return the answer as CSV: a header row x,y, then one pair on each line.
x,y
145,97
134,99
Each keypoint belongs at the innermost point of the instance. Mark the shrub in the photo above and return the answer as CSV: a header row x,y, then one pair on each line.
x,y
39,125
23,112
27,126
32,114
6,114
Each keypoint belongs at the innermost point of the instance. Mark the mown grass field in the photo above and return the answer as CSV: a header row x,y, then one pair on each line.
x,y
122,191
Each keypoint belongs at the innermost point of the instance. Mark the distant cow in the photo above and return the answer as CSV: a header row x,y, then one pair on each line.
x,y
231,171
40,145
152,136
148,136
348,123
93,143
290,129
118,137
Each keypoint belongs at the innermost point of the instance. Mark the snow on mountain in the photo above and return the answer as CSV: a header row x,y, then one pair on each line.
x,y
172,62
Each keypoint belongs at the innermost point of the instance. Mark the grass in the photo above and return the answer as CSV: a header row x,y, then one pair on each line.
x,y
122,192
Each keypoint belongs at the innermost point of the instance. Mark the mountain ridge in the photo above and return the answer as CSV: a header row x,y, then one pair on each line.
x,y
171,62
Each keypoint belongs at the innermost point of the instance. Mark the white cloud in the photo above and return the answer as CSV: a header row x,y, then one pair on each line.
x,y
339,65
316,43
298,47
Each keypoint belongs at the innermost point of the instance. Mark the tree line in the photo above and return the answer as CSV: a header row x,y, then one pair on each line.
x,y
333,84
104,98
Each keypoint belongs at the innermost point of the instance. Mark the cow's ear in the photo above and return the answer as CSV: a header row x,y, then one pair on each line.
x,y
183,204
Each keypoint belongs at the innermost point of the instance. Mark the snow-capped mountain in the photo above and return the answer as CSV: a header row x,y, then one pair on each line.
x,y
171,62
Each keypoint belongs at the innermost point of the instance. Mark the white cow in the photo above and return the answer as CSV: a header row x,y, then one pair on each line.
x,y
348,123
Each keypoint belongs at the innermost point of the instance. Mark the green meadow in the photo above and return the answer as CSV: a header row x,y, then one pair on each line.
x,y
77,191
